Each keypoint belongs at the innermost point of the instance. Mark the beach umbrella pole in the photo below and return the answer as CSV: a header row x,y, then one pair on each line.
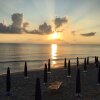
x,y
87,60
38,90
96,62
78,84
65,64
25,71
49,66
85,66
8,83
77,61
69,70
45,74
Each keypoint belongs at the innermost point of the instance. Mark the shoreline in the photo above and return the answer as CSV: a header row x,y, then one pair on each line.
x,y
41,69
59,65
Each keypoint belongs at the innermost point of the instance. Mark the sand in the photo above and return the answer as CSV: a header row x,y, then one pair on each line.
x,y
24,89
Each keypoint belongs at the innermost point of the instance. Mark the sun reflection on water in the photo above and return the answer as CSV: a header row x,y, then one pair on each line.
x,y
54,53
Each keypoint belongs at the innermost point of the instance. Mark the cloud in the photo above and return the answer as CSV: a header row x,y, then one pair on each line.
x,y
17,20
61,30
18,26
15,27
42,29
3,28
60,21
89,34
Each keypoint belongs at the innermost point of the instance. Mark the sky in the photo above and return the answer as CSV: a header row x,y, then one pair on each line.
x,y
34,21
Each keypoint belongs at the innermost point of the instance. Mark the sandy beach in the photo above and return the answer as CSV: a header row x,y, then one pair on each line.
x,y
24,89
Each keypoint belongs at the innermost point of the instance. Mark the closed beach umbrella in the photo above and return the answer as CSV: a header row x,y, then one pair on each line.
x,y
45,74
25,69
65,64
95,59
87,60
97,64
77,61
38,90
8,82
49,66
69,69
85,66
78,83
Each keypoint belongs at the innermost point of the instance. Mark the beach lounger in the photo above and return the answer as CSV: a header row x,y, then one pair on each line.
x,y
55,85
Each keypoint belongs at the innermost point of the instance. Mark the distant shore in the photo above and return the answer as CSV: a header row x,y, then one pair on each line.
x,y
24,89
51,43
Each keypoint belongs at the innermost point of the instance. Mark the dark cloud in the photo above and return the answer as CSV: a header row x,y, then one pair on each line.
x,y
17,20
88,34
3,28
16,27
43,29
60,21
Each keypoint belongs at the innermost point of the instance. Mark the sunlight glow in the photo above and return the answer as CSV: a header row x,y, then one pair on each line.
x,y
54,53
55,35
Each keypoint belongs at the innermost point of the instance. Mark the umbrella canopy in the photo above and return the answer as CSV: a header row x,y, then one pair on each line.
x,y
45,74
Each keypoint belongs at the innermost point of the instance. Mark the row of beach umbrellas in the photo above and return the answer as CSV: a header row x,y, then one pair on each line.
x,y
47,69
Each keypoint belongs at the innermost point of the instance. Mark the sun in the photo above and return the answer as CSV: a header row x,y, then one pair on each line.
x,y
55,36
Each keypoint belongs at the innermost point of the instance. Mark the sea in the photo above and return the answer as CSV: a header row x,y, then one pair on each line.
x,y
14,55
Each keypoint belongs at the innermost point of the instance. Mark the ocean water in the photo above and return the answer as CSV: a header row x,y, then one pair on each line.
x,y
14,55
